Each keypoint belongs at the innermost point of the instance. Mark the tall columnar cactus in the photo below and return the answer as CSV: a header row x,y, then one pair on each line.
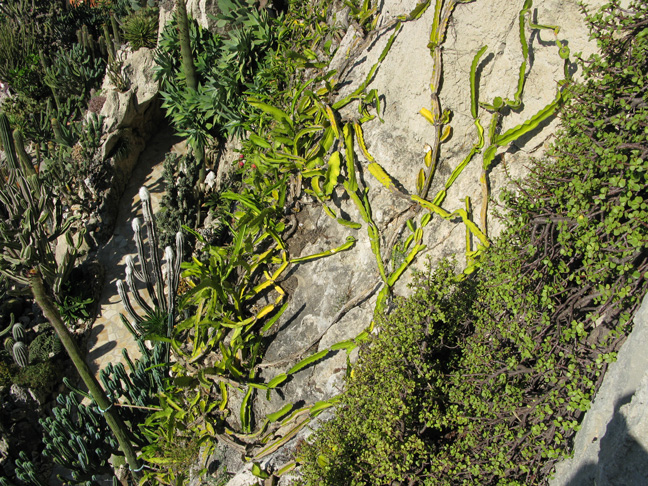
x,y
185,45
150,273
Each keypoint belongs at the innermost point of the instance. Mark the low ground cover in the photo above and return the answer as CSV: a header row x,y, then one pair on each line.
x,y
494,372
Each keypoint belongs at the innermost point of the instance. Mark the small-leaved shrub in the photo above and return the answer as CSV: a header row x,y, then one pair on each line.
x,y
496,396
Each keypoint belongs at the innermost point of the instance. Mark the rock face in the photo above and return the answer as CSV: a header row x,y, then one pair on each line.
x,y
611,448
130,118
332,299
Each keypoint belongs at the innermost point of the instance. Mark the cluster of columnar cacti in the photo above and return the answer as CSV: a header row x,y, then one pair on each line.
x,y
150,272
31,219
26,471
139,385
77,437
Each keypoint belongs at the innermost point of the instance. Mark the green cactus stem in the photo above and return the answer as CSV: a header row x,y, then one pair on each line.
x,y
9,328
110,45
185,45
115,29
113,419
18,332
8,345
20,354
25,159
151,232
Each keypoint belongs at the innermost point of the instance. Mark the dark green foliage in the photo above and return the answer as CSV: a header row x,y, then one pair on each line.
x,y
46,345
27,472
28,31
179,204
553,299
72,73
5,373
77,437
39,376
390,415
226,68
141,28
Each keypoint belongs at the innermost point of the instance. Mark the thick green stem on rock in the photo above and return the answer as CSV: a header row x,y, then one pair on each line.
x,y
115,423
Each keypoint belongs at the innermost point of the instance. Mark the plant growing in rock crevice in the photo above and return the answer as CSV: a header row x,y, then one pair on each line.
x,y
552,302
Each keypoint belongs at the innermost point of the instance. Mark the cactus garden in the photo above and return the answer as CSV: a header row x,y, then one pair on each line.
x,y
314,242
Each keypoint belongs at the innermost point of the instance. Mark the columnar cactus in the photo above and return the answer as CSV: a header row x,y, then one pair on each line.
x,y
77,437
150,273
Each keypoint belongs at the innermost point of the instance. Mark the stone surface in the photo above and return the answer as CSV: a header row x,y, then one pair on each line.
x,y
108,335
130,118
611,449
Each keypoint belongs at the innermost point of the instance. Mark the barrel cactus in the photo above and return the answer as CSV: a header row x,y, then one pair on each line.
x,y
20,354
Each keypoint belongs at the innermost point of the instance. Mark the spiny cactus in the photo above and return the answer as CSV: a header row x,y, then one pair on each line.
x,y
18,332
32,218
26,471
151,273
20,354
8,345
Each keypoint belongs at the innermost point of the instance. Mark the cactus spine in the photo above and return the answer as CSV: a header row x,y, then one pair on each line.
x,y
18,332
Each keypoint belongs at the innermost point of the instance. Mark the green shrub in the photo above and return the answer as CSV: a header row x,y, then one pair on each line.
x,y
226,67
44,346
552,302
39,376
392,413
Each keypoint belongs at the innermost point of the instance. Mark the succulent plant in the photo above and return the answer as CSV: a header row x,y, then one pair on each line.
x,y
18,332
31,219
150,273
77,437
20,353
